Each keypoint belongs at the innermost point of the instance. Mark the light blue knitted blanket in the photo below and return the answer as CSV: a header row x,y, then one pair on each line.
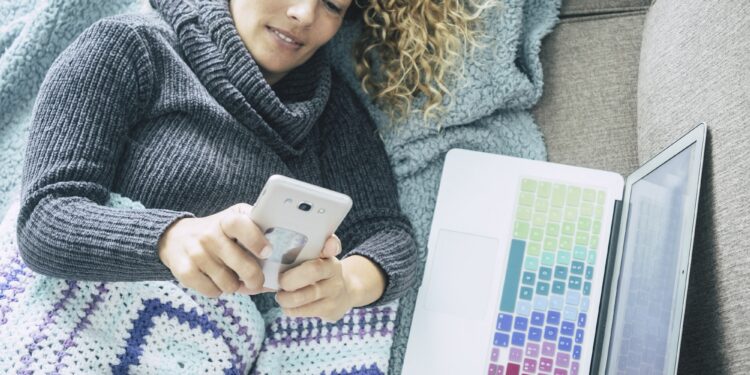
x,y
491,113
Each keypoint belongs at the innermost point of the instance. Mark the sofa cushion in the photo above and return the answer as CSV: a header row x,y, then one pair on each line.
x,y
584,7
587,112
693,68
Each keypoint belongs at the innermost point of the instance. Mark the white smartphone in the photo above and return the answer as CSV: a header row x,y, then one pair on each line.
x,y
297,218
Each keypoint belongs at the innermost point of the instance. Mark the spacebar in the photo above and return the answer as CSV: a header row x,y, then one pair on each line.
x,y
512,276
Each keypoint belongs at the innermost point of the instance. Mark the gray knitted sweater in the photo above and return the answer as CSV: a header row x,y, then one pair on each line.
x,y
170,109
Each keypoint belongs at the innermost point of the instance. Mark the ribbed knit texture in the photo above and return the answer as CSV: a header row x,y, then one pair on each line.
x,y
171,110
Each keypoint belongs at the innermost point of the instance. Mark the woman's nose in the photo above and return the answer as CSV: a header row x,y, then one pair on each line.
x,y
303,11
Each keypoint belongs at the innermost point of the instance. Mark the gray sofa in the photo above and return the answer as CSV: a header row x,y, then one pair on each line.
x,y
623,79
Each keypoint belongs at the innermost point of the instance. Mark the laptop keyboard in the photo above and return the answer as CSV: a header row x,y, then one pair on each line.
x,y
545,303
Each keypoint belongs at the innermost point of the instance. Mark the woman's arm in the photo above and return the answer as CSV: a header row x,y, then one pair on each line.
x,y
89,99
376,232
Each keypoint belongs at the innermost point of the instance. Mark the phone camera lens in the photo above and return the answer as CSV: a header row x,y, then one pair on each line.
x,y
304,206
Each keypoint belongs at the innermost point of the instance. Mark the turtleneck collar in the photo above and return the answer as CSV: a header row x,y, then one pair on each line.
x,y
282,115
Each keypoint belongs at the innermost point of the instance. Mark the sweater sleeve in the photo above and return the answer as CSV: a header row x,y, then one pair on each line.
x,y
354,162
89,98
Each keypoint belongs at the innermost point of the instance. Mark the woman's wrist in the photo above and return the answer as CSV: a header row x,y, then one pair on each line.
x,y
364,280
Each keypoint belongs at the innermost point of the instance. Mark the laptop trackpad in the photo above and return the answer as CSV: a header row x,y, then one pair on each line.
x,y
461,274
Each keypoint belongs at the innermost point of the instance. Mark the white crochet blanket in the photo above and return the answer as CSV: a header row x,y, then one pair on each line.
x,y
50,325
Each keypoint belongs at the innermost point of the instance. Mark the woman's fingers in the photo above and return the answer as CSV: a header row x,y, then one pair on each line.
x,y
236,224
221,275
306,273
190,276
241,262
332,247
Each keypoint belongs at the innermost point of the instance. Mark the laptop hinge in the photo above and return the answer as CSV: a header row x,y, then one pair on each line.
x,y
601,324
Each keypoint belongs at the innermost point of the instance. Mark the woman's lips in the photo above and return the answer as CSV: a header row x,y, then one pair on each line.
x,y
284,39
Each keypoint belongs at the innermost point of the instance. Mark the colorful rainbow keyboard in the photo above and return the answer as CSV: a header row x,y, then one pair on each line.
x,y
547,312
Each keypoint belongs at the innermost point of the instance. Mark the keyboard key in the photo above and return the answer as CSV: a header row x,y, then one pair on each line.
x,y
492,370
579,253
526,293
579,336
523,308
582,238
550,244
570,214
529,365
555,214
566,243
553,230
514,369
553,317
521,230
540,302
574,283
528,184
535,334
537,318
550,333
545,364
531,263
558,195
596,226
560,371
539,219
561,272
548,348
534,248
563,257
573,368
600,197
577,352
565,344
504,322
567,328
582,319
594,241
515,355
518,339
568,228
548,259
586,288
532,350
584,223
589,272
573,197
544,189
545,273
501,339
495,354
528,278
512,275
576,267
521,323
526,199
541,205
523,213
589,195
585,303
592,257
542,288
563,360
569,313
558,287
556,302
537,233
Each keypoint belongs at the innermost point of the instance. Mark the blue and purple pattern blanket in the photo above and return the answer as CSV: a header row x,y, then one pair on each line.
x,y
57,326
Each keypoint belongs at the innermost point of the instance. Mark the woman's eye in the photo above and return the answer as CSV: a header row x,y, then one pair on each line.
x,y
332,6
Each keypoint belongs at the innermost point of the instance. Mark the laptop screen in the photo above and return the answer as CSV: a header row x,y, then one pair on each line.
x,y
650,290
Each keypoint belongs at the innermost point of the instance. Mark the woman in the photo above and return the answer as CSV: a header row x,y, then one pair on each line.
x,y
189,112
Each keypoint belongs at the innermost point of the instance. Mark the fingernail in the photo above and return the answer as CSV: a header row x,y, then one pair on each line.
x,y
266,252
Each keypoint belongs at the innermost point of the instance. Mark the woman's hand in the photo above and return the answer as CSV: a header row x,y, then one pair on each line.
x,y
327,287
214,254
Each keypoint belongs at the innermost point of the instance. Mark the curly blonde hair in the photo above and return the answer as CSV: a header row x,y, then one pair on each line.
x,y
418,47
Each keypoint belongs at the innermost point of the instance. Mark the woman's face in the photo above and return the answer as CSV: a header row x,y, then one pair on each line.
x,y
283,34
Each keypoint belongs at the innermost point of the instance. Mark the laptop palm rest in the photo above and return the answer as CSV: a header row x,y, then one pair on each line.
x,y
474,258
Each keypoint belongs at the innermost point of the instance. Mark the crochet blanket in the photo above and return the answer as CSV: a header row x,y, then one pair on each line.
x,y
71,327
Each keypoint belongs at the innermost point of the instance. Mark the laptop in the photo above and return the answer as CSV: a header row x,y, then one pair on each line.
x,y
535,267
